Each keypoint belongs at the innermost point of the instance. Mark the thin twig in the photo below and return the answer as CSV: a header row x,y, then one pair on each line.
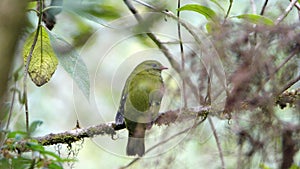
x,y
297,5
9,115
28,63
264,7
228,11
291,83
291,55
11,107
146,5
253,6
182,57
286,12
207,100
217,141
133,10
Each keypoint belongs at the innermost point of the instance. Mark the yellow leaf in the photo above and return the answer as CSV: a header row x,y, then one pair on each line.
x,y
43,62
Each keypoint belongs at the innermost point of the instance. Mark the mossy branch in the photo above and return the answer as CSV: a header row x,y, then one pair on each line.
x,y
165,118
110,128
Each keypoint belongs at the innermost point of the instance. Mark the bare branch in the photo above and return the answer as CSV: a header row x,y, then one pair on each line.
x,y
217,142
264,8
297,5
291,83
286,12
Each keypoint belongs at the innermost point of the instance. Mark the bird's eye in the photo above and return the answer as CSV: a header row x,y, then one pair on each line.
x,y
154,65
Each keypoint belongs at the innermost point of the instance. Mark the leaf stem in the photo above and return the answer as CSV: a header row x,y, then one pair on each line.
x,y
228,11
40,15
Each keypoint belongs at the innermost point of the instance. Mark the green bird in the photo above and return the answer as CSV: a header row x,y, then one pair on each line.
x,y
140,104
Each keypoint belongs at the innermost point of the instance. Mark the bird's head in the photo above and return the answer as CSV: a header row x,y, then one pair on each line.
x,y
150,65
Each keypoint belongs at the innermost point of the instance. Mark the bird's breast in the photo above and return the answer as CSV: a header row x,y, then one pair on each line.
x,y
144,93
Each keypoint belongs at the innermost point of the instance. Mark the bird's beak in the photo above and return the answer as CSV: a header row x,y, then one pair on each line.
x,y
163,68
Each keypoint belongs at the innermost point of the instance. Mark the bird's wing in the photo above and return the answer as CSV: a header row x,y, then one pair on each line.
x,y
155,98
119,119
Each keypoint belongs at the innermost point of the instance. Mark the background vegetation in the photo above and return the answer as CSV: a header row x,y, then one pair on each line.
x,y
232,88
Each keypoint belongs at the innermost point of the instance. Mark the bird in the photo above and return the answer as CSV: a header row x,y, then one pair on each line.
x,y
140,103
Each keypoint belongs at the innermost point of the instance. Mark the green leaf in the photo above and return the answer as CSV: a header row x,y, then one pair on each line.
x,y
72,63
256,19
263,166
43,62
18,135
20,163
5,163
99,11
203,10
34,125
49,153
93,10
294,166
35,147
54,166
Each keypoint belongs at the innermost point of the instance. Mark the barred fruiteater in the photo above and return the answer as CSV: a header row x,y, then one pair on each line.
x,y
140,103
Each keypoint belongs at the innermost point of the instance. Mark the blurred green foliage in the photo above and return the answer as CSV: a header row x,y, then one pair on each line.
x,y
249,45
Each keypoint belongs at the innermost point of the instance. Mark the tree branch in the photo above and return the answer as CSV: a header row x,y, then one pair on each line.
x,y
165,118
286,12
217,142
297,5
68,137
288,148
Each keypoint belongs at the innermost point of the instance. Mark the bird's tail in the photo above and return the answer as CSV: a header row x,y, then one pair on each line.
x,y
135,146
136,142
